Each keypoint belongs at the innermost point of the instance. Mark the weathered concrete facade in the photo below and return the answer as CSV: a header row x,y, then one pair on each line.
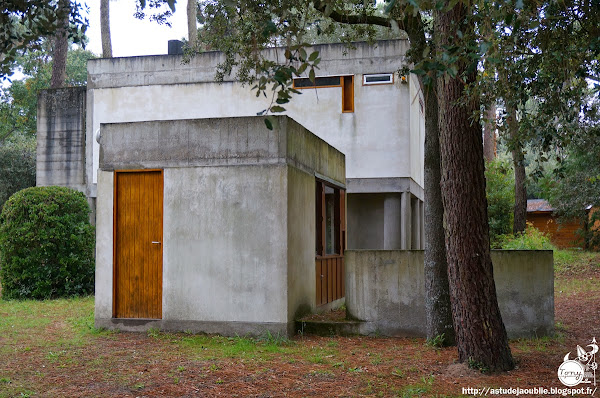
x,y
386,290
61,138
238,225
382,138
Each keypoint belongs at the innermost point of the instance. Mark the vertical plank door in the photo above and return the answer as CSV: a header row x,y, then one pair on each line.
x,y
138,245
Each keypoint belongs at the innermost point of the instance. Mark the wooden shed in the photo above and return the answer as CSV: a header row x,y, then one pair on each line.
x,y
562,234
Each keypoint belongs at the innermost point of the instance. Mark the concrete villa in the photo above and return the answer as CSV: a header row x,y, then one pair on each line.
x,y
207,221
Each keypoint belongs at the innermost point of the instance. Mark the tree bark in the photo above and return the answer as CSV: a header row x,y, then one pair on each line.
x,y
61,46
520,209
480,333
105,29
192,9
437,290
489,134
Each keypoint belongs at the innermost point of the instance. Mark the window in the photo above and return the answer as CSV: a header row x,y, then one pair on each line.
x,y
379,78
347,93
327,81
345,82
330,206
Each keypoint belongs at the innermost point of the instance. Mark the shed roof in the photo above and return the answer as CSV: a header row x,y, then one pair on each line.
x,y
538,205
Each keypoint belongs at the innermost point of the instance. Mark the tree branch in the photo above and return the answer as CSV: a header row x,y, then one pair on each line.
x,y
350,19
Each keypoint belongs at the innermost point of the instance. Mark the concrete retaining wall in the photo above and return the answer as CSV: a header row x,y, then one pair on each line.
x,y
386,290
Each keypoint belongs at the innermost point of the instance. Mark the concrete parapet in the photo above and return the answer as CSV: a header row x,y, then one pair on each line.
x,y
386,290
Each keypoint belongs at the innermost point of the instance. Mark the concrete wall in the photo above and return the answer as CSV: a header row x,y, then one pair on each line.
x,y
382,139
238,222
162,88
385,221
61,138
386,289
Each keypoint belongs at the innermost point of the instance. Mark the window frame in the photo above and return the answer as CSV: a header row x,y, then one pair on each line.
x,y
365,83
339,209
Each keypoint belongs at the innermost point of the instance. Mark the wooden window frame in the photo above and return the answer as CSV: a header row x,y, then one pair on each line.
x,y
346,82
347,94
339,244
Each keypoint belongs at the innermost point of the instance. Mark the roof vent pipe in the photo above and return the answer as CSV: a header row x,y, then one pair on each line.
x,y
175,47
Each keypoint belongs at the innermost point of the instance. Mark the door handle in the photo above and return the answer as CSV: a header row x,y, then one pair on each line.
x,y
155,242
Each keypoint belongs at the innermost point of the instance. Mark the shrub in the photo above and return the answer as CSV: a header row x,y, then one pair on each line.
x,y
531,239
46,244
17,166
500,192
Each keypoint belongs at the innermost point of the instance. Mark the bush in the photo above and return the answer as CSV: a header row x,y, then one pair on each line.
x,y
531,239
17,166
46,244
500,192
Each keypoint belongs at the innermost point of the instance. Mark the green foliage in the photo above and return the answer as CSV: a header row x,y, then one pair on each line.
x,y
576,186
500,192
17,166
160,11
242,29
23,25
18,102
438,341
531,239
46,244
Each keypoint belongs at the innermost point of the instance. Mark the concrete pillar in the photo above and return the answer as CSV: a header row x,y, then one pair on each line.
x,y
406,220
391,222
422,215
416,224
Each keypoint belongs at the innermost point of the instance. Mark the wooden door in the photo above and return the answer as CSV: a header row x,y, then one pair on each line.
x,y
330,242
138,245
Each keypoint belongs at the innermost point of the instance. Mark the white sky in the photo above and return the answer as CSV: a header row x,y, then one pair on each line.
x,y
130,36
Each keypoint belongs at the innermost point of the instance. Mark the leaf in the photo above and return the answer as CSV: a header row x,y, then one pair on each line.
x,y
390,6
171,4
313,56
311,75
484,46
277,109
302,54
302,68
268,123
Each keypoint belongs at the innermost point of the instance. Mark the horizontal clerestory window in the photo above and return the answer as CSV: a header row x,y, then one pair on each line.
x,y
378,78
345,82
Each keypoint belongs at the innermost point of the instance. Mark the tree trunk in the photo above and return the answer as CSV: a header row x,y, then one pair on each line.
x,y
192,9
61,46
520,209
437,291
489,134
105,29
480,333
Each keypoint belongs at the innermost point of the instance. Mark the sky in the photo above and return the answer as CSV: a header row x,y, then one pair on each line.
x,y
130,36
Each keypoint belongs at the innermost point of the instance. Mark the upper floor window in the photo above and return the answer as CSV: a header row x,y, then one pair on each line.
x,y
346,82
378,78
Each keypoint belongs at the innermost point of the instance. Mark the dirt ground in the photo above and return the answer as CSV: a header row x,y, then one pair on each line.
x,y
179,365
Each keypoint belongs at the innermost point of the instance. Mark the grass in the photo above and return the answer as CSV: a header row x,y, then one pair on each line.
x,y
574,262
575,272
52,343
